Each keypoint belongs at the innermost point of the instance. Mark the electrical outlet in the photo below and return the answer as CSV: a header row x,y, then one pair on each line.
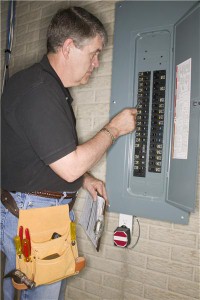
x,y
126,220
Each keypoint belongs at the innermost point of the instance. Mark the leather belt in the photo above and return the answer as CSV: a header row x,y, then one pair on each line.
x,y
50,194
9,202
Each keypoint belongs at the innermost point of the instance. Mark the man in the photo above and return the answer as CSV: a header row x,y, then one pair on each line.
x,y
42,162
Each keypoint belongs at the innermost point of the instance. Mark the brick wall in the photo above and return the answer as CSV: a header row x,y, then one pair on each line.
x,y
165,263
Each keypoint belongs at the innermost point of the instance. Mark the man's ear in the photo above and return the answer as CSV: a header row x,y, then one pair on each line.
x,y
68,44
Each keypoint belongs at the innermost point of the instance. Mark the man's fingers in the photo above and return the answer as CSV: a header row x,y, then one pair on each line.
x,y
104,195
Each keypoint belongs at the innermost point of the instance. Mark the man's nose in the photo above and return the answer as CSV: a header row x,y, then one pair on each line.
x,y
95,62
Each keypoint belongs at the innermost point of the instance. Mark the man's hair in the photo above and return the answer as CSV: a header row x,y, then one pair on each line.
x,y
75,23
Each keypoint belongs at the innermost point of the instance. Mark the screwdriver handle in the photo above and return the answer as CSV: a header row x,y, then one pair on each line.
x,y
27,234
26,250
18,245
21,233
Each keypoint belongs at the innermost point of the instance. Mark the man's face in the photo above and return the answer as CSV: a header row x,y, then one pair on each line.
x,y
85,60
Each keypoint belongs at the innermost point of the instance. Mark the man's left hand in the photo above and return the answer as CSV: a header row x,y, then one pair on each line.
x,y
94,186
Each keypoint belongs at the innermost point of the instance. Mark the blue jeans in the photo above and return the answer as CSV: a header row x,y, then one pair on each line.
x,y
9,222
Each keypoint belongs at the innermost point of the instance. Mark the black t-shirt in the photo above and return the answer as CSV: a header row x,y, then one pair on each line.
x,y
38,128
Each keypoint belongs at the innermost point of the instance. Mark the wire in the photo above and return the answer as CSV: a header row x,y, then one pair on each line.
x,y
9,43
133,246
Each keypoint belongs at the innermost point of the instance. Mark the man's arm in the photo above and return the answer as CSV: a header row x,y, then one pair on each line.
x,y
78,162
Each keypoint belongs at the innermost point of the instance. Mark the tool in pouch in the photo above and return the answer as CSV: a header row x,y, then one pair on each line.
x,y
23,245
48,251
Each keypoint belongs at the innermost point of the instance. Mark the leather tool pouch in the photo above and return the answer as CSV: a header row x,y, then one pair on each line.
x,y
54,259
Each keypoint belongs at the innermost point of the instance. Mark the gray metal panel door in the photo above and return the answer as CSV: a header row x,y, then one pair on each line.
x,y
183,172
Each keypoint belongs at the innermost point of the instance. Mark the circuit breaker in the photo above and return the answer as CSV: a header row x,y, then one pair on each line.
x,y
156,123
156,61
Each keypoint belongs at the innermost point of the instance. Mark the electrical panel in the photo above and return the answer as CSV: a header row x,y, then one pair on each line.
x,y
153,172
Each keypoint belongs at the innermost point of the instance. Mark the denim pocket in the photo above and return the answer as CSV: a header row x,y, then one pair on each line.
x,y
8,230
4,213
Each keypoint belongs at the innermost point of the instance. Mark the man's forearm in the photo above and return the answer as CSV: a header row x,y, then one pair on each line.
x,y
78,162
75,164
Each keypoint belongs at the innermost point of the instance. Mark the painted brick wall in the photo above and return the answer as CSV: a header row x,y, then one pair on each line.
x,y
165,263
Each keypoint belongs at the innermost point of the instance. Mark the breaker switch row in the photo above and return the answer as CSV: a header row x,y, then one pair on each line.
x,y
157,121
143,98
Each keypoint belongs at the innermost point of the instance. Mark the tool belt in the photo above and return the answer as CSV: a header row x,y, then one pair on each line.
x,y
48,253
9,202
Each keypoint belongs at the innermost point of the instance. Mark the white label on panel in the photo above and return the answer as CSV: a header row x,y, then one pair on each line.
x,y
182,110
